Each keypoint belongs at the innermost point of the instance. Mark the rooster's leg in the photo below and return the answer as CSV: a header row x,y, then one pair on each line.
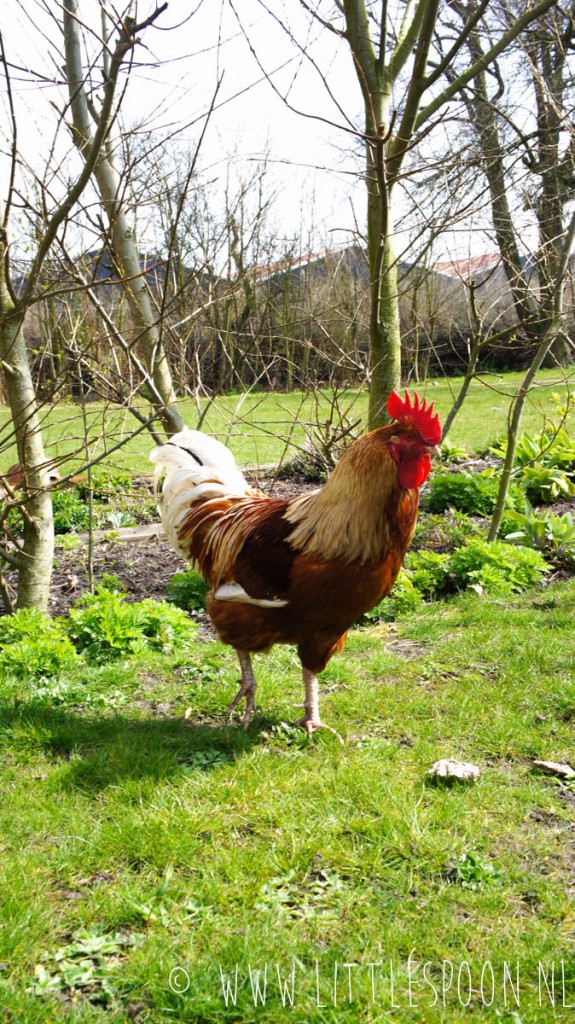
x,y
311,720
247,688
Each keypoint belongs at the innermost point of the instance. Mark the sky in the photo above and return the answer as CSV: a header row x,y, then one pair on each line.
x,y
313,157
281,86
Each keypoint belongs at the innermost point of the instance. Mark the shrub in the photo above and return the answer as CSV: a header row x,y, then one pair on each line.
x,y
429,571
34,647
545,483
545,531
103,626
473,493
545,463
187,590
106,482
71,514
445,532
496,567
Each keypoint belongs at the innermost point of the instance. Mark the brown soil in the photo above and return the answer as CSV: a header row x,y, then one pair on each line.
x,y
144,567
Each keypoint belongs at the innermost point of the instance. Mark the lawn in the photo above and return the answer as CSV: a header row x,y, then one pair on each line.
x,y
162,865
264,427
149,847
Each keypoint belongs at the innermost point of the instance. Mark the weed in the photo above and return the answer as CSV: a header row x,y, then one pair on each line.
x,y
34,647
473,870
87,966
187,590
315,895
103,626
203,760
473,493
496,567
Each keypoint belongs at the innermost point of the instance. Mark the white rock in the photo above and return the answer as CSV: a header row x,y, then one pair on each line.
x,y
562,771
451,768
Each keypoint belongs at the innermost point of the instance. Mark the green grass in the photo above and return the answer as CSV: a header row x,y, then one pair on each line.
x,y
140,815
256,425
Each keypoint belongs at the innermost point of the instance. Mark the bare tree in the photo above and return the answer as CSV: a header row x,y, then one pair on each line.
x,y
529,167
555,324
33,557
112,193
401,73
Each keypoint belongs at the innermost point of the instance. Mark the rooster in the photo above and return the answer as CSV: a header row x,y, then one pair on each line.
x,y
299,570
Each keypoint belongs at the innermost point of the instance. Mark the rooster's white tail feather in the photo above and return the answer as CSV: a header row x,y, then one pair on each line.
x,y
190,467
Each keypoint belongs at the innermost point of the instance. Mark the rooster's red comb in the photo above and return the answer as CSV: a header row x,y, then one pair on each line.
x,y
415,414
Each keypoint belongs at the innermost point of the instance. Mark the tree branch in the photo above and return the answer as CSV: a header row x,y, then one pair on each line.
x,y
522,22
123,45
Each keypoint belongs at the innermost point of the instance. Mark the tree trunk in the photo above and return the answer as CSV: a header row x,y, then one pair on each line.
x,y
35,560
385,334
384,326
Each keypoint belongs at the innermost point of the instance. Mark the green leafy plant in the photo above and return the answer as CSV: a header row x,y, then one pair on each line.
x,y
106,482
68,542
473,870
450,451
71,514
120,520
545,531
103,626
545,463
204,760
315,895
187,590
496,567
86,966
109,581
546,483
34,647
444,532
552,447
473,493
429,571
